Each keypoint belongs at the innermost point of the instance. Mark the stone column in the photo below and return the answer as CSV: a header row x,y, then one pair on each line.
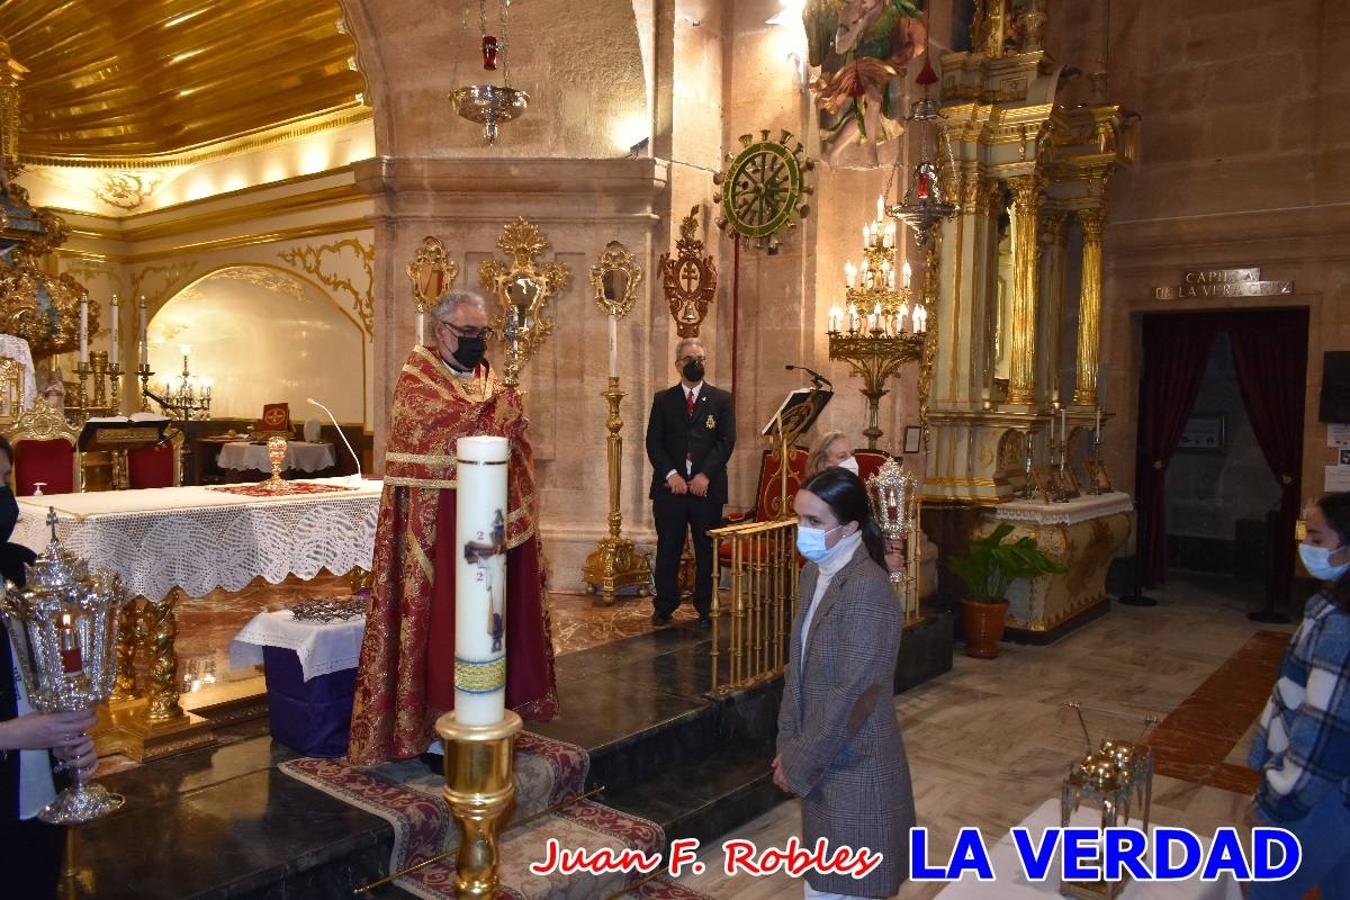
x,y
1026,191
1093,221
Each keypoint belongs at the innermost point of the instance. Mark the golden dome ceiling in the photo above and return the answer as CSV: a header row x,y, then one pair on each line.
x,y
144,80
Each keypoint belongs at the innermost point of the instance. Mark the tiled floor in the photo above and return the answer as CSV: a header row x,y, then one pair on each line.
x,y
990,741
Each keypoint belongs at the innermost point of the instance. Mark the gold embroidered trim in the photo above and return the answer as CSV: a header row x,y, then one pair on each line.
x,y
425,459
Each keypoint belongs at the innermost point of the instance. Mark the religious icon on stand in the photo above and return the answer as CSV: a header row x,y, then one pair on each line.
x,y
482,553
1098,477
690,280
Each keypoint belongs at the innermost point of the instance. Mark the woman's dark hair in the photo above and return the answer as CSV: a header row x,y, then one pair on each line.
x,y
844,494
1336,508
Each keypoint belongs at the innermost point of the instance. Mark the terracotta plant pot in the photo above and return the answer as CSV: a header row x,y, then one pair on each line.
x,y
983,623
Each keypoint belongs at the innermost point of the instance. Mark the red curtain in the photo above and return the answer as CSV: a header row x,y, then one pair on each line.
x,y
1176,351
1270,352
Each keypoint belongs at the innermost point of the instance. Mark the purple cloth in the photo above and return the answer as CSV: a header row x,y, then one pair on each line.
x,y
311,717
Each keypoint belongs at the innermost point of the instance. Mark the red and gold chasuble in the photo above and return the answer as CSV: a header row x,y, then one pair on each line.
x,y
406,676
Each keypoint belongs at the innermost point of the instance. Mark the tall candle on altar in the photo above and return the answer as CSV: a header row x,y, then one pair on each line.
x,y
84,328
145,343
113,348
613,346
480,579
421,328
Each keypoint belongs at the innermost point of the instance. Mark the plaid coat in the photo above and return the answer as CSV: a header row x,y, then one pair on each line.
x,y
837,731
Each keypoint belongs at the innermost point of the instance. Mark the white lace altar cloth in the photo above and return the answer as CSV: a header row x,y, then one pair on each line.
x,y
199,540
322,648
1079,509
301,456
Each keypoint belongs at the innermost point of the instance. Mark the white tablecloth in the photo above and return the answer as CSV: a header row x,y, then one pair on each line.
x,y
199,539
301,456
1012,884
321,648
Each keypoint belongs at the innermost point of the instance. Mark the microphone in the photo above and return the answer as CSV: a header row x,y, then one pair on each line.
x,y
816,377
356,459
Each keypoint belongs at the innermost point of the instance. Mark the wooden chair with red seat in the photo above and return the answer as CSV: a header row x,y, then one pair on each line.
x,y
156,466
45,452
769,493
869,461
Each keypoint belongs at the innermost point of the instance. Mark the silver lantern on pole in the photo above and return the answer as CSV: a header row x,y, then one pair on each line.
x,y
63,626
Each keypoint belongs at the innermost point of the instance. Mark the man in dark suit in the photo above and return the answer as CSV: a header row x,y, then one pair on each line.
x,y
690,434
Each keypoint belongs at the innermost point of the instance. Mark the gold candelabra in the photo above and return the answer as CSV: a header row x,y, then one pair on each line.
x,y
881,327
615,562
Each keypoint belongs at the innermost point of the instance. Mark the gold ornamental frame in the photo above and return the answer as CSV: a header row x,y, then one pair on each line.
x,y
432,274
616,264
523,287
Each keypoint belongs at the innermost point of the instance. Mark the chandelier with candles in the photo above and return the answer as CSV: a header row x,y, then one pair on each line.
x,y
881,326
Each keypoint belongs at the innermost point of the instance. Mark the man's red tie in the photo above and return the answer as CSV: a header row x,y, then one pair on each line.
x,y
689,409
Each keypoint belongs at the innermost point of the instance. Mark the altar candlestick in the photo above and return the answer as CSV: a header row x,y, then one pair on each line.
x,y
480,580
144,326
116,331
613,346
84,328
1099,425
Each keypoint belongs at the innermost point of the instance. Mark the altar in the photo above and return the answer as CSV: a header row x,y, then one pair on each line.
x,y
1083,535
173,544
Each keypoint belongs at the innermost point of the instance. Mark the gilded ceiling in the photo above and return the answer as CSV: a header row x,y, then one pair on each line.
x,y
144,80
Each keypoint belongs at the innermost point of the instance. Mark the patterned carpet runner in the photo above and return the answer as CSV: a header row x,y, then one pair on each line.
x,y
408,797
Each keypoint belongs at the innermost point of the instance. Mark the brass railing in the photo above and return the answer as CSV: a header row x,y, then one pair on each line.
x,y
750,645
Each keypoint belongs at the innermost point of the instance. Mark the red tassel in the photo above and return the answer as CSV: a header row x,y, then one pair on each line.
x,y
926,75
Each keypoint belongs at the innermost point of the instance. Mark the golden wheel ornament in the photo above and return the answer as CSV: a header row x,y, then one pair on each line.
x,y
763,188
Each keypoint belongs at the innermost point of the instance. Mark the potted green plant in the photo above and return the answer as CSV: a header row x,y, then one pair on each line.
x,y
988,569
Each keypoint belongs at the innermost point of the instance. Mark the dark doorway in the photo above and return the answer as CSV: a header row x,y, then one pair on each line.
x,y
1221,445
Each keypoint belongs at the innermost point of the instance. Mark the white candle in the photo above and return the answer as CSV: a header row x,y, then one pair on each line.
x,y
905,274
421,329
834,318
84,328
112,350
876,317
613,346
852,318
1064,425
480,579
850,273
867,235
881,207
145,325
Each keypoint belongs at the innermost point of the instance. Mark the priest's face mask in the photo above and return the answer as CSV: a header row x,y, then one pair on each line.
x,y
460,336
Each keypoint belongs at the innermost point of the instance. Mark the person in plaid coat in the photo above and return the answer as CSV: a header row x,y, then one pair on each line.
x,y
1302,742
839,744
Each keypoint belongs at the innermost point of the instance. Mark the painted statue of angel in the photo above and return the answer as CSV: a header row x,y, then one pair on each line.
x,y
861,48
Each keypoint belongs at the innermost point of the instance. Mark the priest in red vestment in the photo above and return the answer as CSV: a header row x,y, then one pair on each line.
x,y
406,675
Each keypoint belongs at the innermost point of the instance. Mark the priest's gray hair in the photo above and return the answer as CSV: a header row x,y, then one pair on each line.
x,y
687,342
454,300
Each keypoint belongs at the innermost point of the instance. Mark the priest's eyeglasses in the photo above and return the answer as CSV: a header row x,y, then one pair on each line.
x,y
686,359
485,333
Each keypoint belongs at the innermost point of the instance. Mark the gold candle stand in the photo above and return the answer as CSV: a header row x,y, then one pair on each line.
x,y
480,789
615,562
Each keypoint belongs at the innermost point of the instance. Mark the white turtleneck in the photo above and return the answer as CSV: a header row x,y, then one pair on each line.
x,y
835,560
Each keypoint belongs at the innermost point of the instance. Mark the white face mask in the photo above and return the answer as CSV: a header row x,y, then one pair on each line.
x,y
851,464
1317,560
811,542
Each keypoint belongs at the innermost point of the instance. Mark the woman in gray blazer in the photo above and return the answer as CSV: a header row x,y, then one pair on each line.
x,y
839,745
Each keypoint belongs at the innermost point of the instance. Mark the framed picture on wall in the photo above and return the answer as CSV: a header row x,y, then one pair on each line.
x,y
913,438
1204,432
